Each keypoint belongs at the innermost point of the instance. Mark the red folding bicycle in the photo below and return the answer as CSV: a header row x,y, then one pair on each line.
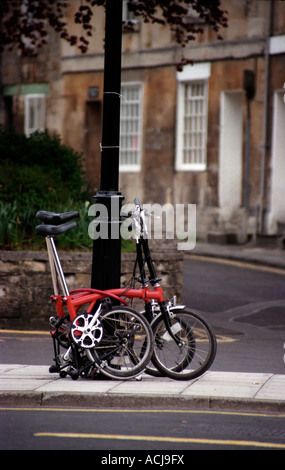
x,y
101,332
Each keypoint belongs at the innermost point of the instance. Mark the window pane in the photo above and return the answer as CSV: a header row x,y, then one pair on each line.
x,y
34,113
194,125
130,128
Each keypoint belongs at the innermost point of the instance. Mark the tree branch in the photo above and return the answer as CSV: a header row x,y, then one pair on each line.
x,y
25,24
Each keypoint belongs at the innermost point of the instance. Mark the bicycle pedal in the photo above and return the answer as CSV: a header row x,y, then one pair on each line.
x,y
55,322
73,373
54,369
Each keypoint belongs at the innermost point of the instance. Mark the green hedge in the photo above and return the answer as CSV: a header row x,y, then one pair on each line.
x,y
39,165
39,172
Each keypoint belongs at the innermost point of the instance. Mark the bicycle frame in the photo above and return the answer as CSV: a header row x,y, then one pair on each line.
x,y
85,296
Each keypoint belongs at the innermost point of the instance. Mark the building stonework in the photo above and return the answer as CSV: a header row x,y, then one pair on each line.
x,y
166,171
26,285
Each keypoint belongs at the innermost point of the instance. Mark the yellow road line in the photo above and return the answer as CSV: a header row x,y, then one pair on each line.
x,y
25,332
239,264
225,339
184,440
122,410
155,438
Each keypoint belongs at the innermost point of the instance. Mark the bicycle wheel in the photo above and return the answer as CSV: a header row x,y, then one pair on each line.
x,y
196,351
126,346
151,369
155,371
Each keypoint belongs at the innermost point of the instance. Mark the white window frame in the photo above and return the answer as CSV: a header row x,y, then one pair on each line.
x,y
196,137
129,19
127,14
35,115
131,128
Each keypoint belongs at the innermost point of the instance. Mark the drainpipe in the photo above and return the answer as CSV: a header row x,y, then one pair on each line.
x,y
260,222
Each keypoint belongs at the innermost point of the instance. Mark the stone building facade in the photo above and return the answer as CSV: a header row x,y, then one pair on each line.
x,y
186,137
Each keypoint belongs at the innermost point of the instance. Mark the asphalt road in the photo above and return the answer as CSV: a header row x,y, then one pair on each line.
x,y
246,307
168,433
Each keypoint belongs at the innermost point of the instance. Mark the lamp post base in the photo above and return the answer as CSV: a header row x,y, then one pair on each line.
x,y
106,261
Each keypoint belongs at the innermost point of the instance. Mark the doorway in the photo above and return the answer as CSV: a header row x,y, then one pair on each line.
x,y
230,151
277,206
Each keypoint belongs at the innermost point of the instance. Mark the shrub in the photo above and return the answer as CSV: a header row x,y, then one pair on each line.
x,y
36,172
39,164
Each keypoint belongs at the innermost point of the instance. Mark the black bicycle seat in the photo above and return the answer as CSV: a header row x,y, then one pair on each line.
x,y
53,230
54,218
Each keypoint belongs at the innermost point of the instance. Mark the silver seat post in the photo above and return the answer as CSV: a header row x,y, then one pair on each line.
x,y
56,289
56,268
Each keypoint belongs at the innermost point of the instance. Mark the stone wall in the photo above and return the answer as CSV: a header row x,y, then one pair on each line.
x,y
26,286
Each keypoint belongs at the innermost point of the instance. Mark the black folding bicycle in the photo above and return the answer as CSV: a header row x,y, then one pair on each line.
x,y
184,343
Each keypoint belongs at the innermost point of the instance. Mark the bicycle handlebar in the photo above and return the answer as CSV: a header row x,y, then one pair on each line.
x,y
139,219
132,213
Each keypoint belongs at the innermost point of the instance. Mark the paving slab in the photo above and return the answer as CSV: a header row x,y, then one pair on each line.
x,y
273,389
228,384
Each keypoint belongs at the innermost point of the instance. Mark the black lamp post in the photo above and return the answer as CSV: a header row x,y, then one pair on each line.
x,y
106,260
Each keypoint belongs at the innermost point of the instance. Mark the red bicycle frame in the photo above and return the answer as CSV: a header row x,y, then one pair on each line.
x,y
90,297
76,298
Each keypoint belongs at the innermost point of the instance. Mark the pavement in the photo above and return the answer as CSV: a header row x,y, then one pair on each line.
x,y
249,254
31,385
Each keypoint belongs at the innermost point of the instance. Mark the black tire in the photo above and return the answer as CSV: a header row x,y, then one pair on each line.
x,y
198,349
151,369
126,346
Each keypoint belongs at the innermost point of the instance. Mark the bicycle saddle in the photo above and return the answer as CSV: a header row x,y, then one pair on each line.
x,y
54,218
52,230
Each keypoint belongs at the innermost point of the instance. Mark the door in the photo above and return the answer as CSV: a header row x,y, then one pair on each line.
x,y
277,204
230,152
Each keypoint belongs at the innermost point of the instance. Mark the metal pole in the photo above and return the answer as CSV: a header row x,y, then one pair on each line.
x,y
106,261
